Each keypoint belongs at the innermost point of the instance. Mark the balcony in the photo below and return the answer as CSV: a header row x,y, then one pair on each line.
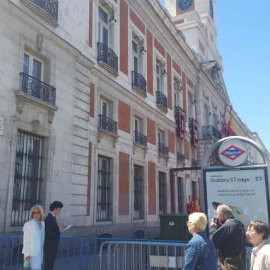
x,y
37,93
194,163
180,158
38,89
140,139
107,125
209,132
163,150
48,9
107,58
139,83
162,101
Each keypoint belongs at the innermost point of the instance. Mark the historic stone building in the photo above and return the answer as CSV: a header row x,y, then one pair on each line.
x,y
98,100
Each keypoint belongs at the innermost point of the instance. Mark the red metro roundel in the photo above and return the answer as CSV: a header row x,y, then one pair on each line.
x,y
232,152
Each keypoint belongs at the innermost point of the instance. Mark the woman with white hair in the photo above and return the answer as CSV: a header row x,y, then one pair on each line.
x,y
200,252
33,239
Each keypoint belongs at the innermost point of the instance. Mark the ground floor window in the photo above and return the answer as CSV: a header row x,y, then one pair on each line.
x,y
180,194
162,193
27,179
138,192
104,189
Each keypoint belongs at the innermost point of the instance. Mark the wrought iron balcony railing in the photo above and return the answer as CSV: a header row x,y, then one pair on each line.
x,y
139,81
107,124
163,149
107,56
140,139
180,157
194,163
210,132
161,100
38,89
50,6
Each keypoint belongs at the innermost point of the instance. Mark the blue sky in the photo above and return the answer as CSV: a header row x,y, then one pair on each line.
x,y
244,43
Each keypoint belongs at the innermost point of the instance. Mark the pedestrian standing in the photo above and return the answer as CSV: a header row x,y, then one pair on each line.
x,y
257,234
52,235
200,252
33,239
228,235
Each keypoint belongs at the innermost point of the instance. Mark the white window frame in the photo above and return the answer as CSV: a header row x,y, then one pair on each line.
x,y
140,125
31,64
190,105
102,25
111,8
161,137
135,54
177,87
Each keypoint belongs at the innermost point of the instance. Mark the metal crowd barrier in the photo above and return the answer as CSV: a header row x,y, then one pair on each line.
x,y
138,255
69,255
11,257
104,254
97,249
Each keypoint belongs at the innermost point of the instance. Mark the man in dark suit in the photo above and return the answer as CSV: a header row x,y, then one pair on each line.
x,y
52,235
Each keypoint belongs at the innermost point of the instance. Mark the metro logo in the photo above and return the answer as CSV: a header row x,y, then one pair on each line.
x,y
232,152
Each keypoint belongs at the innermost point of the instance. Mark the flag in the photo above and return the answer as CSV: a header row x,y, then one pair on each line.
x,y
230,130
197,207
192,208
189,205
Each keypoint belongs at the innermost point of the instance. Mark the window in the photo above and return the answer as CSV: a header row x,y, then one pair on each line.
x,y
190,105
106,122
104,189
27,179
161,99
172,190
103,27
180,152
139,137
162,193
138,125
138,80
138,192
32,67
177,92
162,148
206,115
104,108
158,78
179,146
160,75
107,38
161,137
135,54
180,194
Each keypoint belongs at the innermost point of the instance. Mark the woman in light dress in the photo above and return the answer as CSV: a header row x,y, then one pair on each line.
x,y
33,239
